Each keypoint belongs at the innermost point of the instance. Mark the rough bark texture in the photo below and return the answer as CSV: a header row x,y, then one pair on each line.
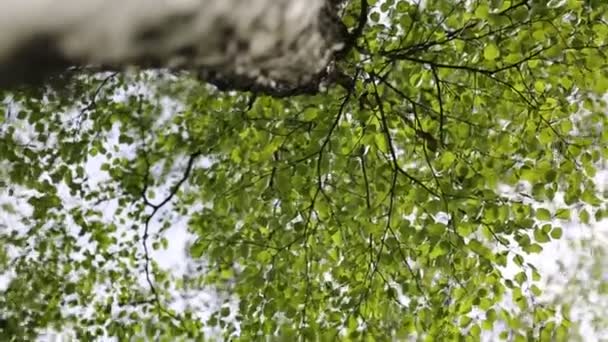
x,y
282,44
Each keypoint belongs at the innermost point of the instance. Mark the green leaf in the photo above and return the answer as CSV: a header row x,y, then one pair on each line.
x,y
556,233
491,52
563,214
482,11
541,236
197,249
543,214
310,114
436,229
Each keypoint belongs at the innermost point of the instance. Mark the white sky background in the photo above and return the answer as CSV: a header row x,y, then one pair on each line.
x,y
560,260
175,259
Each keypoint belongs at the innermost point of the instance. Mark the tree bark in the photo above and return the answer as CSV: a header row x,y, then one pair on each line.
x,y
278,44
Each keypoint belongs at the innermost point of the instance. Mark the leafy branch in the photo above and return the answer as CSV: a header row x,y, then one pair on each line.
x,y
155,208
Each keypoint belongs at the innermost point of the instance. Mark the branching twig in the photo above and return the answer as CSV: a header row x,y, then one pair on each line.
x,y
93,102
440,99
392,148
351,39
155,209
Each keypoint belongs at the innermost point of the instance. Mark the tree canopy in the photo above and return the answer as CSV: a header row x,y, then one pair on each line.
x,y
443,145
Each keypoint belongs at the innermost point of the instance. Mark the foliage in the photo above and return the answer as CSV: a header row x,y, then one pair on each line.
x,y
389,208
583,285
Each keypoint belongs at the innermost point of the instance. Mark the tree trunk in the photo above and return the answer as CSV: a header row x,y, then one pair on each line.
x,y
256,43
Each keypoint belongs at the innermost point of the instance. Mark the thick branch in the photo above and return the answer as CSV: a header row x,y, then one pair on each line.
x,y
257,44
